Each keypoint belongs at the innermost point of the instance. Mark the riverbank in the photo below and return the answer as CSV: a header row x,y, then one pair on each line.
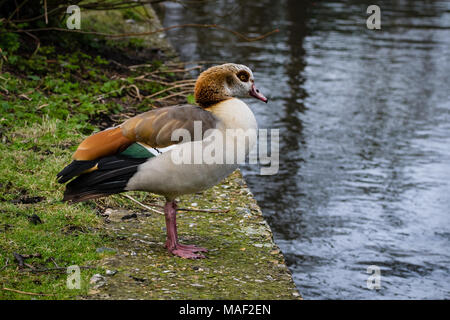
x,y
51,100
242,262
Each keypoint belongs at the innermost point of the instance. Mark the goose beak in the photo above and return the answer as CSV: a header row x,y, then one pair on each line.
x,y
258,95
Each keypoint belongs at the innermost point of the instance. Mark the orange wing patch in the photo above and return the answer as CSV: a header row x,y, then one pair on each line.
x,y
153,128
102,144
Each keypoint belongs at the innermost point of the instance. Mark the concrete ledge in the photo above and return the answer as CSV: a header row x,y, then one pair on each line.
x,y
243,261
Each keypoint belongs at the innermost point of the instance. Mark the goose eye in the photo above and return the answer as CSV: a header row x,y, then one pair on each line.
x,y
243,76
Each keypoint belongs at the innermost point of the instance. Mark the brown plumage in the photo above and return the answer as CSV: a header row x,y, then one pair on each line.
x,y
155,127
209,88
118,159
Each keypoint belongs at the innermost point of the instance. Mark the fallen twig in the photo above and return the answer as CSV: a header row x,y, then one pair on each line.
x,y
183,63
178,209
182,93
29,266
54,262
25,292
186,81
119,64
64,269
199,210
159,80
141,204
204,210
38,42
164,71
18,7
168,89
104,95
138,94
45,11
137,34
34,255
6,264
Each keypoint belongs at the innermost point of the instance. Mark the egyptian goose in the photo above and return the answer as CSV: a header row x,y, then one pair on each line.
x,y
128,157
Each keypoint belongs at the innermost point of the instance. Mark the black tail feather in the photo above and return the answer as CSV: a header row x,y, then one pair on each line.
x,y
74,169
111,176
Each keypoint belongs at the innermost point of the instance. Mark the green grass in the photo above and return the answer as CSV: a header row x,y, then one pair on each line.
x,y
48,103
30,157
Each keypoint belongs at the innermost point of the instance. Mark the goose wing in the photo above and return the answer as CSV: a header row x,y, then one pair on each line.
x,y
153,128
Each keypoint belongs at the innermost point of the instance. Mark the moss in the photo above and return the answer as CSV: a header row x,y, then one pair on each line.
x,y
138,19
242,263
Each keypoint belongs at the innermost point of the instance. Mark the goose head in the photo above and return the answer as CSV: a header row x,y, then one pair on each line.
x,y
223,82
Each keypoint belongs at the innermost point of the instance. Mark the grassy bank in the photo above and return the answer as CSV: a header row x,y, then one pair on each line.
x,y
50,99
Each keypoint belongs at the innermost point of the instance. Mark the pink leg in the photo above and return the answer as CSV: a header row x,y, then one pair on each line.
x,y
181,250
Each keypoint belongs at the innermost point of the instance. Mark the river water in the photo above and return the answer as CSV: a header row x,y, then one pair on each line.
x,y
364,119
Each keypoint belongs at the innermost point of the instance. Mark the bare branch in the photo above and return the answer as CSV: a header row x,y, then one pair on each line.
x,y
139,34
25,292
141,204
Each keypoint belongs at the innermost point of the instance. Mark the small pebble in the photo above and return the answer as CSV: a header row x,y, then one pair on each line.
x,y
111,272
97,280
196,285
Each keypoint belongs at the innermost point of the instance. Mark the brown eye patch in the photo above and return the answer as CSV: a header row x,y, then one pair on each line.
x,y
243,75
